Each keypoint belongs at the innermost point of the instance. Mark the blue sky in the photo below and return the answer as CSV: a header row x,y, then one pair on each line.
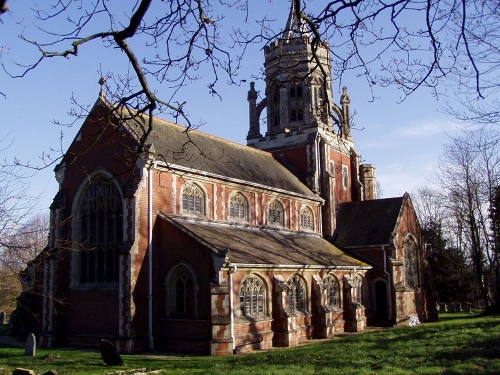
x,y
402,139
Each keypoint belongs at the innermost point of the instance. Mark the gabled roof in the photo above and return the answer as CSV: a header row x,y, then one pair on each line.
x,y
368,223
197,151
256,246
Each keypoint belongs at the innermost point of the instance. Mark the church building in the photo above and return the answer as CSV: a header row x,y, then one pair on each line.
x,y
206,246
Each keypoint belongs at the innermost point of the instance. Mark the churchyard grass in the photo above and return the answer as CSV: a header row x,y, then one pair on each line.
x,y
458,344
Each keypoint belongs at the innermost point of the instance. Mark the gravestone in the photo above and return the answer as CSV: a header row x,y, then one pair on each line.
x,y
2,317
443,307
30,349
110,354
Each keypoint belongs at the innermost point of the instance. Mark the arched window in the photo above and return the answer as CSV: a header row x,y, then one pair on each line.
x,y
276,214
411,263
332,287
358,290
345,177
306,219
297,298
181,292
193,199
252,296
100,223
238,208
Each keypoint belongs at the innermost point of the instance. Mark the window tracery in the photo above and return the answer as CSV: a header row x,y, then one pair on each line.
x,y
411,263
252,296
181,290
276,214
332,287
297,298
306,219
100,223
238,208
193,199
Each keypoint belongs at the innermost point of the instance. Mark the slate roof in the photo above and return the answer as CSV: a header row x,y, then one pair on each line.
x,y
251,245
200,151
367,223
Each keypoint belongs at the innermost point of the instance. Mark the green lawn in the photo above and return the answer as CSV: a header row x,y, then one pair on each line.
x,y
457,344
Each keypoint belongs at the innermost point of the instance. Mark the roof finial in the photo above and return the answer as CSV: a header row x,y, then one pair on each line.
x,y
295,28
102,82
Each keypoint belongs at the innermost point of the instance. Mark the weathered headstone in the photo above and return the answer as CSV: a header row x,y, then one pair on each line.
x,y
2,317
443,307
110,354
30,348
50,372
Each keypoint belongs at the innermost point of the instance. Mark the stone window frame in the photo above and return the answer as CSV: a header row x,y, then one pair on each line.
x,y
238,201
307,219
98,203
411,262
253,297
193,199
273,219
333,292
185,305
345,177
297,295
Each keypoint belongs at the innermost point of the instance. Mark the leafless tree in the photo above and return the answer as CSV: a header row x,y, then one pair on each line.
x,y
405,43
467,176
22,236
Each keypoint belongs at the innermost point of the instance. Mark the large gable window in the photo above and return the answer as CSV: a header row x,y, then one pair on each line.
x,y
252,296
100,219
297,298
193,199
181,292
238,208
276,214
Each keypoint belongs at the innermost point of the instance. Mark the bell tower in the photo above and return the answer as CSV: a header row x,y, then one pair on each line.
x,y
302,125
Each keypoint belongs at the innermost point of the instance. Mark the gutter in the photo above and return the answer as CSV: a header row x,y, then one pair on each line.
x,y
389,283
232,270
150,254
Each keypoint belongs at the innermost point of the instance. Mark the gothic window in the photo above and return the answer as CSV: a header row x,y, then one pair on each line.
x,y
345,177
252,296
358,290
193,199
297,298
181,292
238,208
100,222
276,214
411,263
306,219
296,102
332,287
275,107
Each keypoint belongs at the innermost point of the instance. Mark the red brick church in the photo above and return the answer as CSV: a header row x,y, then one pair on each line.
x,y
212,247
